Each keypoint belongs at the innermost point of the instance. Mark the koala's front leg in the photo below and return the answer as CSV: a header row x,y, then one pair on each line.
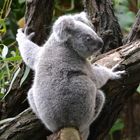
x,y
102,74
29,50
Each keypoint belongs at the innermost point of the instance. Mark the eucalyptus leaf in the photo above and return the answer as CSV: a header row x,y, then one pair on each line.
x,y
14,78
118,125
4,51
2,26
26,73
16,58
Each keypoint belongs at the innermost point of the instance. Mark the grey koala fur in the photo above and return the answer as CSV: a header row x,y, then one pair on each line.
x,y
66,88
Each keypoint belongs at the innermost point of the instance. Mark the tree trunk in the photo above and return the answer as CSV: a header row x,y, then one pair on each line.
x,y
106,25
26,125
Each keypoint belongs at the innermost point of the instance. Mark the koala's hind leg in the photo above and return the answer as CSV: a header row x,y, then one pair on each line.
x,y
31,101
100,100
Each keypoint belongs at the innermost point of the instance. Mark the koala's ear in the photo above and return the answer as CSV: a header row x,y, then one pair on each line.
x,y
83,17
63,26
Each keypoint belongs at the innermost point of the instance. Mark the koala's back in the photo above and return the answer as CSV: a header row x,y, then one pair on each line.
x,y
63,91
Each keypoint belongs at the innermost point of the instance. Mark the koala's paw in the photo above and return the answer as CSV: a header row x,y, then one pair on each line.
x,y
20,37
118,74
24,36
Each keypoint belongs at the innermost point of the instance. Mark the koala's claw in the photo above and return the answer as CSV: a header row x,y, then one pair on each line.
x,y
23,35
26,30
28,35
31,35
117,67
118,74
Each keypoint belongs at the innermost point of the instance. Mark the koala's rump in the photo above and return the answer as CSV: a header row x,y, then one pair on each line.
x,y
63,102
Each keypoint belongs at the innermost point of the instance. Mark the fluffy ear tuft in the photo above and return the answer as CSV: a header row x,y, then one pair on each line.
x,y
83,17
63,26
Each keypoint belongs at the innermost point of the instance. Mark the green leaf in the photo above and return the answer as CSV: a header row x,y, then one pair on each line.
x,y
4,51
138,89
2,26
16,58
21,1
14,78
118,125
26,73
1,95
13,53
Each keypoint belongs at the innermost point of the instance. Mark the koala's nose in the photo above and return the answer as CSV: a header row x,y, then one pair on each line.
x,y
100,42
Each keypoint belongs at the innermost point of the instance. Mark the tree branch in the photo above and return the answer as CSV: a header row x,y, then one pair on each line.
x,y
118,91
25,126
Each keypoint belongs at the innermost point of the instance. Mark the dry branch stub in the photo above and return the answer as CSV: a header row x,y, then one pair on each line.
x,y
67,133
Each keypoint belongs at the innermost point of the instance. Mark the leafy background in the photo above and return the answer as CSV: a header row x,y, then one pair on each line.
x,y
12,18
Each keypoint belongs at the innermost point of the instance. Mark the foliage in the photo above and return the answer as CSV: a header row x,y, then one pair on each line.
x,y
9,61
9,55
124,15
118,125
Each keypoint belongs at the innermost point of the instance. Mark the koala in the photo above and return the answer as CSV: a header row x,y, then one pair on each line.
x,y
66,91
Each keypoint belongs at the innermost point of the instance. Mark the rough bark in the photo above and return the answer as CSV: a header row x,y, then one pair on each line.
x,y
106,25
39,15
130,114
131,117
25,126
117,92
117,102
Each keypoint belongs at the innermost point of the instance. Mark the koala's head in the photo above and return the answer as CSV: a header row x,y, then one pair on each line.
x,y
76,31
